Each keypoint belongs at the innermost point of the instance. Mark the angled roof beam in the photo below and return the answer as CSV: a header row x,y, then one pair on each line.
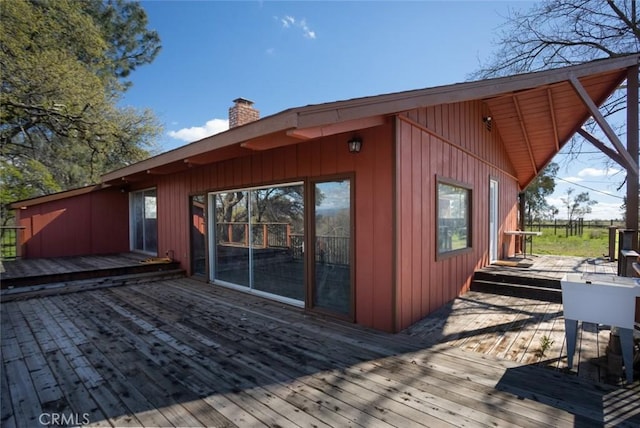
x,y
602,147
633,150
552,112
525,135
628,161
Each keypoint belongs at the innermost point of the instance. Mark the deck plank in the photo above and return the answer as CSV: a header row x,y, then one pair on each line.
x,y
7,413
180,352
274,376
483,396
63,361
167,359
154,381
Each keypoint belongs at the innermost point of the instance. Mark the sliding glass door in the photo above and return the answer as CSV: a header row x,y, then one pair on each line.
x,y
232,237
332,219
144,221
198,227
259,235
277,236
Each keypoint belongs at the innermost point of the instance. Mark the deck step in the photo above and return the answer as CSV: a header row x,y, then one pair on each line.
x,y
522,277
91,273
64,287
549,294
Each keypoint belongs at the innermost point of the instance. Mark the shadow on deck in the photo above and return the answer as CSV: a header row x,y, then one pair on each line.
x,y
184,353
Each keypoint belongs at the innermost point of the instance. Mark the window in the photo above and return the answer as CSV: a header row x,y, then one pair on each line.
x,y
454,214
144,222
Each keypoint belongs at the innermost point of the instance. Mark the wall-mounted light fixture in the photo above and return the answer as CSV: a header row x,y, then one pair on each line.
x,y
488,121
355,145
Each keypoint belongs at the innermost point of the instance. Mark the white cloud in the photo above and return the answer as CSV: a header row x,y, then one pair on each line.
x,y
291,22
287,21
572,179
213,126
306,31
596,172
603,210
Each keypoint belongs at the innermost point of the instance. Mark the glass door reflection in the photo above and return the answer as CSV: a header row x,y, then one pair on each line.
x,y
259,241
232,238
277,234
332,246
198,228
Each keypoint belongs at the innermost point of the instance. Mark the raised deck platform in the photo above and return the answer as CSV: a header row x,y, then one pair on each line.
x,y
536,277
26,278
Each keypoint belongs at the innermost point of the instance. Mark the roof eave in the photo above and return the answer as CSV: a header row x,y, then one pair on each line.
x,y
339,111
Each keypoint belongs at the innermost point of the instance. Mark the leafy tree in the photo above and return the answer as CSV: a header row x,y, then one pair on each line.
x,y
124,24
577,206
63,65
536,193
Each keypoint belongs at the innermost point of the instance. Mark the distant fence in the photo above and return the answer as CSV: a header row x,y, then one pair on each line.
x,y
573,228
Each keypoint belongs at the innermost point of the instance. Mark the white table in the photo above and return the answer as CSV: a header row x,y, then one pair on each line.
x,y
525,234
600,299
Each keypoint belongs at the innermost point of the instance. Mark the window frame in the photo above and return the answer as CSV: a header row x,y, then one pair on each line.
x,y
443,255
132,221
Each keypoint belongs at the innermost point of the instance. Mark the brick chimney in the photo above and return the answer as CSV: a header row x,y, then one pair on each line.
x,y
242,112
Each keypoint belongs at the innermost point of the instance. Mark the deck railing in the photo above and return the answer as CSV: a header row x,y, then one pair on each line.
x,y
9,242
329,249
263,235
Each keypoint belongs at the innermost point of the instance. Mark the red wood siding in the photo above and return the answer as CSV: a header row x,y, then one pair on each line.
x,y
373,169
92,223
450,141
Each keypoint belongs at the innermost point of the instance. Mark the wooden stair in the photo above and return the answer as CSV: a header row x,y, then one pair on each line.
x,y
44,277
75,285
495,281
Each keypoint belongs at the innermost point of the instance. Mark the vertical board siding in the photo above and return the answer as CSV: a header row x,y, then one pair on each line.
x,y
373,168
92,223
457,138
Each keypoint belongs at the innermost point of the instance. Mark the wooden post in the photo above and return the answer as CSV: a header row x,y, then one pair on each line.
x,y
632,148
265,235
521,209
230,232
288,236
246,235
613,231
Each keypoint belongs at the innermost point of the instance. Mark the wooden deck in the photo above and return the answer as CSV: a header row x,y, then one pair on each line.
x,y
552,267
38,273
21,268
536,277
516,329
184,353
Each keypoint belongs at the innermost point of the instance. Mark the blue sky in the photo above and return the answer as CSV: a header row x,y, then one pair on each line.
x,y
290,54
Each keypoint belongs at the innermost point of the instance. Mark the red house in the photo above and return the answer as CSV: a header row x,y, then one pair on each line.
x,y
374,209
